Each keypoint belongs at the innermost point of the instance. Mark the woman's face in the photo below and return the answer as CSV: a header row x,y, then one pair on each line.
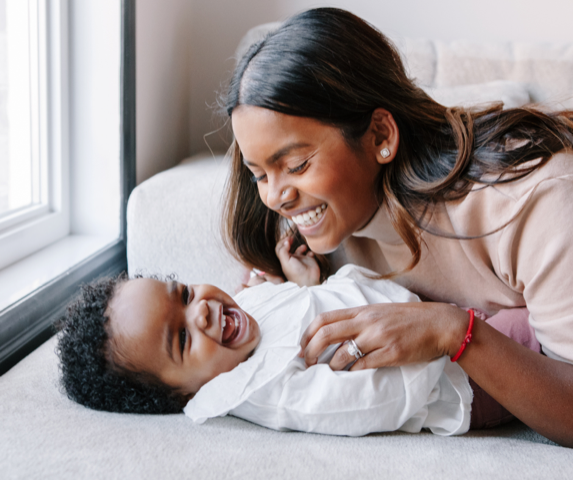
x,y
306,172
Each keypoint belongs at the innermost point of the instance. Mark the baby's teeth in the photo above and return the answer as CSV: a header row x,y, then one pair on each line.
x,y
224,323
306,216
318,209
312,214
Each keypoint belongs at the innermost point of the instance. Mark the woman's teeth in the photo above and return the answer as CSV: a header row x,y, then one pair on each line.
x,y
311,217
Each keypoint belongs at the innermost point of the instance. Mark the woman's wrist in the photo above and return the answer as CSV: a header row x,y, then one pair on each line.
x,y
456,330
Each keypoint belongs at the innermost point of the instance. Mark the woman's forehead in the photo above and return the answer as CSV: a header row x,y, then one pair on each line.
x,y
262,134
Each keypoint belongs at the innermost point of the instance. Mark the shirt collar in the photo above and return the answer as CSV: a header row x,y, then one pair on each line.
x,y
380,228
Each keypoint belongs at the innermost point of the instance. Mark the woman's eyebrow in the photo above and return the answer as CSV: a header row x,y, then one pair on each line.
x,y
279,153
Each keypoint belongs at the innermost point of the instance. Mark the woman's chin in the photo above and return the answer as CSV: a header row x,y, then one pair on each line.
x,y
321,246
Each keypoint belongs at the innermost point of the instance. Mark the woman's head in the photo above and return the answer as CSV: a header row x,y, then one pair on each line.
x,y
145,346
328,67
326,71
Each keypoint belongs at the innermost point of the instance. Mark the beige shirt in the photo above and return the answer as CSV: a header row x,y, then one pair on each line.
x,y
529,262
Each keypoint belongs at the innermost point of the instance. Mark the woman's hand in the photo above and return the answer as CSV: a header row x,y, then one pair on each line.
x,y
388,334
299,267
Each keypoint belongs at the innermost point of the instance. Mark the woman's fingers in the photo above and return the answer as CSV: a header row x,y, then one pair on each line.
x,y
328,329
319,322
375,359
342,357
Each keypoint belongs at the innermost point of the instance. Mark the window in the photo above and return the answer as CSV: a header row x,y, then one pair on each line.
x,y
33,164
67,121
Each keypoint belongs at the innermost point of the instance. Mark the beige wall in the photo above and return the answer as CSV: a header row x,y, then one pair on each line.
x,y
163,40
185,50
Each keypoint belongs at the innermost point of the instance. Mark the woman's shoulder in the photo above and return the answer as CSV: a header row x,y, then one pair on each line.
x,y
559,166
487,208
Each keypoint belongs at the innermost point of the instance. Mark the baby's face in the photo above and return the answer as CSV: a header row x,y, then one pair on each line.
x,y
186,335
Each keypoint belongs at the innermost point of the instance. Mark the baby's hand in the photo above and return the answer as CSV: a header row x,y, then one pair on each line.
x,y
299,267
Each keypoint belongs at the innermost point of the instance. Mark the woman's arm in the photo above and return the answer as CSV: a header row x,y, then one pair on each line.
x,y
536,389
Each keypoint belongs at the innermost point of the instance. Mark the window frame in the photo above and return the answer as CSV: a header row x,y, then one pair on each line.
x,y
28,323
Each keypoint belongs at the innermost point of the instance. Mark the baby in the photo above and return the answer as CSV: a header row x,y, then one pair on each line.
x,y
149,346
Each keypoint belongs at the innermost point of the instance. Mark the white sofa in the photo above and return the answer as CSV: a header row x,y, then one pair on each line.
x,y
173,228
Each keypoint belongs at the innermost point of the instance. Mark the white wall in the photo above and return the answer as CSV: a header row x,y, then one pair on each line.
x,y
163,32
211,29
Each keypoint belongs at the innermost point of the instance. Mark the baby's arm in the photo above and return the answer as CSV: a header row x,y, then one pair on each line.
x,y
299,267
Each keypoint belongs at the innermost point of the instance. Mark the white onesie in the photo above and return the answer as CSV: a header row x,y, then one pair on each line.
x,y
274,388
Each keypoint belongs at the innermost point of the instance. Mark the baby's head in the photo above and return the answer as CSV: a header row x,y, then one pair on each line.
x,y
146,346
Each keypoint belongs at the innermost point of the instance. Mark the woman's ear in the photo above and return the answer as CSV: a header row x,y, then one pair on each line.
x,y
384,136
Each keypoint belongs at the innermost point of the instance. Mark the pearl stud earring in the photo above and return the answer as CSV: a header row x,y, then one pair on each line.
x,y
385,152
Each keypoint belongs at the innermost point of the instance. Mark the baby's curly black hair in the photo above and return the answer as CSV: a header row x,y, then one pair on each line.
x,y
90,375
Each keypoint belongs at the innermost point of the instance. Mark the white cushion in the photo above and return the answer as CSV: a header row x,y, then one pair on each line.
x,y
512,94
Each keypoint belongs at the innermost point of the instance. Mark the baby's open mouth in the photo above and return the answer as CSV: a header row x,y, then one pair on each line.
x,y
231,325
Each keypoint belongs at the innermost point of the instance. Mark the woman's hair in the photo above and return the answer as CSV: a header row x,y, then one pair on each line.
x,y
332,66
91,375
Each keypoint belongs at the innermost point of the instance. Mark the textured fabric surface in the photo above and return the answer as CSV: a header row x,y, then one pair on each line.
x,y
45,435
173,226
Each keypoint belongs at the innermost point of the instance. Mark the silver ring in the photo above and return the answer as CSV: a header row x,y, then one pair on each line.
x,y
354,350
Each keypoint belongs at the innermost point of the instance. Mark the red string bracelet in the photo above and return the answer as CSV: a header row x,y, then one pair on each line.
x,y
468,338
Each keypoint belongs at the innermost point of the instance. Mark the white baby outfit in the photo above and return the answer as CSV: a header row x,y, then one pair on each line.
x,y
273,387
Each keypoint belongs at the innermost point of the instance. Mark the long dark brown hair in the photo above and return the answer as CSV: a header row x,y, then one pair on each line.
x,y
332,66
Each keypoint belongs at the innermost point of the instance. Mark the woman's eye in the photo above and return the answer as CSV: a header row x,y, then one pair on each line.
x,y
182,339
299,168
185,295
256,179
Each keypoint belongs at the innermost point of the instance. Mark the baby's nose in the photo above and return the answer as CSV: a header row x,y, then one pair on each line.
x,y
202,315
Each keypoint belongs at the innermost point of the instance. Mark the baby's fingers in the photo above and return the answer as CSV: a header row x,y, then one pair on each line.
x,y
283,249
300,250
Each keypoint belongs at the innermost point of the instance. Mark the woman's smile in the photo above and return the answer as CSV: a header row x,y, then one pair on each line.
x,y
306,171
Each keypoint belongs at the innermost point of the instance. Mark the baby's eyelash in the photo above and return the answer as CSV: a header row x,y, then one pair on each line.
x,y
299,168
182,339
185,295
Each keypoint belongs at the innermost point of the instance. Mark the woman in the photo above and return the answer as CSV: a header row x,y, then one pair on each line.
x,y
462,206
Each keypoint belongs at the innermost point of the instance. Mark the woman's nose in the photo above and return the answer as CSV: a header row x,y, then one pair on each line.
x,y
279,194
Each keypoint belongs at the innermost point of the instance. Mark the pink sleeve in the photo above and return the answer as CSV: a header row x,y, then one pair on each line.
x,y
514,323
